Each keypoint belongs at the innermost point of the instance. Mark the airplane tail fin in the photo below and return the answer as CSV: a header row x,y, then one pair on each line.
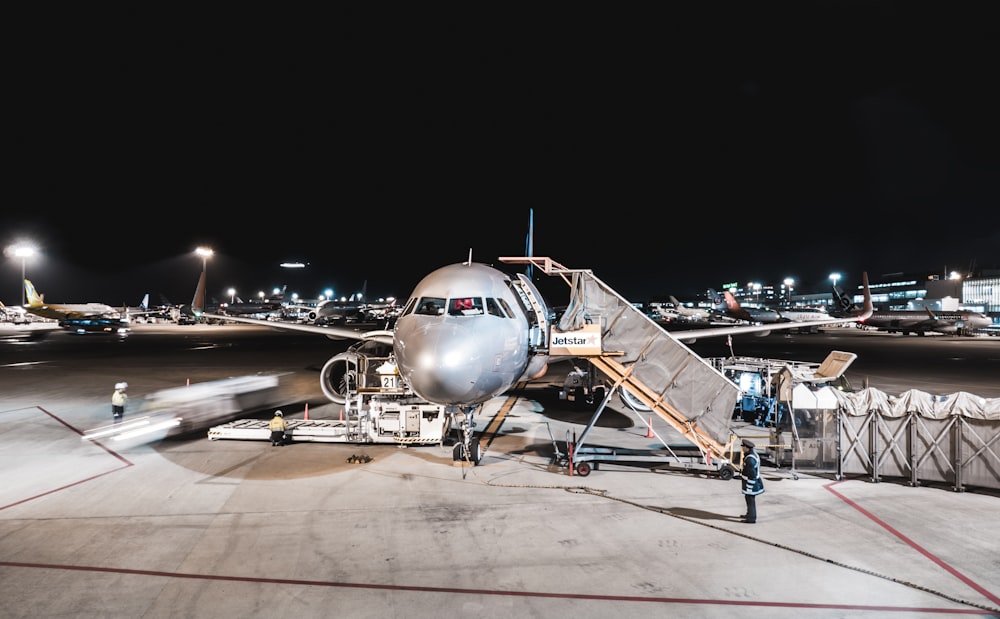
x,y
32,296
867,308
848,308
843,304
529,243
145,302
198,301
733,307
715,299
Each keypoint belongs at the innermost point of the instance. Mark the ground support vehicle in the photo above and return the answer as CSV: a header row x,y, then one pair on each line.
x,y
377,408
376,420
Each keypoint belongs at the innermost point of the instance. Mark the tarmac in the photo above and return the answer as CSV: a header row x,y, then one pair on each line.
x,y
187,527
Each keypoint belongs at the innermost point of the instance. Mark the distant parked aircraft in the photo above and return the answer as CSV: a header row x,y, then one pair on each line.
x,y
921,322
727,305
76,317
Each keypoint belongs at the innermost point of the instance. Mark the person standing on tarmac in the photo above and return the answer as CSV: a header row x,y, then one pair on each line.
x,y
277,428
118,400
752,483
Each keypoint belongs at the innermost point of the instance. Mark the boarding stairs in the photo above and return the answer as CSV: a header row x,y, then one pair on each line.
x,y
635,353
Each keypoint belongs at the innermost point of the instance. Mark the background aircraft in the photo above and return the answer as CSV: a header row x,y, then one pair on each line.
x,y
727,305
270,304
690,314
468,333
16,315
62,311
921,322
804,314
356,309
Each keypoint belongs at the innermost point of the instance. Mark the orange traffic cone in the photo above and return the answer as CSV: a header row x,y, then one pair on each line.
x,y
307,411
341,414
649,428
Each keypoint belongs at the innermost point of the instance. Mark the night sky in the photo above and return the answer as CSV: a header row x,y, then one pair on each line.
x,y
668,151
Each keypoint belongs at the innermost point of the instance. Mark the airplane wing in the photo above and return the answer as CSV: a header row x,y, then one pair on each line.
x,y
690,335
383,336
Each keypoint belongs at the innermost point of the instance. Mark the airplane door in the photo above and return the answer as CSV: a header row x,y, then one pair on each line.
x,y
535,309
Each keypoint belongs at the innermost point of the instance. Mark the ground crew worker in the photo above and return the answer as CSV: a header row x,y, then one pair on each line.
x,y
752,483
118,400
277,427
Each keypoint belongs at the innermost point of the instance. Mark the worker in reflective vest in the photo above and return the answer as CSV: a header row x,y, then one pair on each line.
x,y
752,483
277,428
118,400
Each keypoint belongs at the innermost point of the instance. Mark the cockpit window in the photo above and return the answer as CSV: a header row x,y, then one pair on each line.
x,y
506,308
465,306
431,306
492,308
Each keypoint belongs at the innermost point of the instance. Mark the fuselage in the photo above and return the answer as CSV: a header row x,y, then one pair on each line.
x,y
916,321
464,335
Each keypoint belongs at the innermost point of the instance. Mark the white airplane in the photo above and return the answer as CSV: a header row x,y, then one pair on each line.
x,y
681,312
804,314
468,333
76,317
15,315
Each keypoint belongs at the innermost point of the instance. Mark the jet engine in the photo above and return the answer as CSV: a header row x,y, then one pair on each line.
x,y
340,376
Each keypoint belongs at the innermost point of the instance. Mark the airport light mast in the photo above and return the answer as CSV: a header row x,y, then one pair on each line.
x,y
23,252
205,254
789,286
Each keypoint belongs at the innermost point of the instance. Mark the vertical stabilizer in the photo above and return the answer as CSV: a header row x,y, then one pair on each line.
x,y
848,308
734,309
198,302
32,295
867,308
529,244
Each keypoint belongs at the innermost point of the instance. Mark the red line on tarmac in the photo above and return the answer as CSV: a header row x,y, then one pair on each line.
x,y
525,594
912,544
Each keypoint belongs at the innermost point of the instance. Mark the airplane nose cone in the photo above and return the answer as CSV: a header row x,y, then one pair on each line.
x,y
444,365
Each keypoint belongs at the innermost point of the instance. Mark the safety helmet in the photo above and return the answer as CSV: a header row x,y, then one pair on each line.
x,y
277,413
121,386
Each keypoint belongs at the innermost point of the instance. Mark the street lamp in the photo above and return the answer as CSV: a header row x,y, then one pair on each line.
x,y
232,295
23,252
205,254
789,283
834,277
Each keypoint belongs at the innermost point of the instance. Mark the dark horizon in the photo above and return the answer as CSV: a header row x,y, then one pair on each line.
x,y
719,146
